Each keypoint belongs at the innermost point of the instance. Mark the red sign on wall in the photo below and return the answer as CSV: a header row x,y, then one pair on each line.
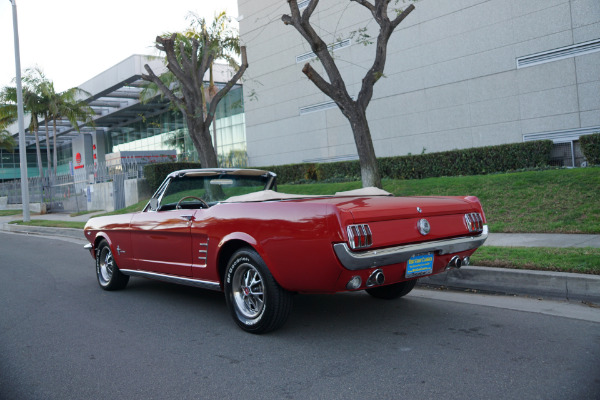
x,y
78,161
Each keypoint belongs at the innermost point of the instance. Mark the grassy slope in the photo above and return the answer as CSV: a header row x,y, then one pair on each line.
x,y
581,260
559,201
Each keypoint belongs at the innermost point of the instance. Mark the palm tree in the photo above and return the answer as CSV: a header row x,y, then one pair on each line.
x,y
35,80
66,105
7,142
31,103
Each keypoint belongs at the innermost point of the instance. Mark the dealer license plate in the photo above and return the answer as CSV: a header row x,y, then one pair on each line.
x,y
421,264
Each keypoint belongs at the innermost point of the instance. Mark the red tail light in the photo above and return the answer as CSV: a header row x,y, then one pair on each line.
x,y
474,222
359,236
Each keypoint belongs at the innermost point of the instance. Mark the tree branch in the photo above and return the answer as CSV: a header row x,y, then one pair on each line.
x,y
172,63
151,77
221,93
402,15
366,4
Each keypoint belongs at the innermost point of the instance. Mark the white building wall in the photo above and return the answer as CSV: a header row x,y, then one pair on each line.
x,y
451,77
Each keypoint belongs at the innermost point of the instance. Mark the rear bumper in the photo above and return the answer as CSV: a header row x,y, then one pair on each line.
x,y
399,254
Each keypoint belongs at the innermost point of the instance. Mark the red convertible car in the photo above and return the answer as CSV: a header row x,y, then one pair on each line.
x,y
229,230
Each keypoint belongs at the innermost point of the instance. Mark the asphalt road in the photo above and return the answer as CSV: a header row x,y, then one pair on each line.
x,y
62,337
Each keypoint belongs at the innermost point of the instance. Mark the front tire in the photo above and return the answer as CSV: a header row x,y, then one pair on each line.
x,y
256,301
107,272
392,291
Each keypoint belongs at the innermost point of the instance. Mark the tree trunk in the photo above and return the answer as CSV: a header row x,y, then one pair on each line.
x,y
48,153
38,153
200,134
369,170
54,155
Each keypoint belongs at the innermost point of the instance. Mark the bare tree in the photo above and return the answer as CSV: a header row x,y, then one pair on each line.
x,y
188,58
335,87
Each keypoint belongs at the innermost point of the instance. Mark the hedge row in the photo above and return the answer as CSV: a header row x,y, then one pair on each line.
x,y
590,146
475,161
155,173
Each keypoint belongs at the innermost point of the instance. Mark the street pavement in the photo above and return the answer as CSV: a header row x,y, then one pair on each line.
x,y
547,284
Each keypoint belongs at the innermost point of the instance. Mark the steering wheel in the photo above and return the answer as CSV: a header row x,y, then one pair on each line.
x,y
202,202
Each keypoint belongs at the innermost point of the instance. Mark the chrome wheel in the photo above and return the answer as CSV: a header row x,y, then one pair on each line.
x,y
248,291
107,271
255,300
106,266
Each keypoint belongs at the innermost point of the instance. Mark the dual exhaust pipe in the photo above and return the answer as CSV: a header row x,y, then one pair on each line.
x,y
377,277
456,262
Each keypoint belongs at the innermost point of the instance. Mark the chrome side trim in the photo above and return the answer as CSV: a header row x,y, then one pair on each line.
x,y
174,279
394,255
88,247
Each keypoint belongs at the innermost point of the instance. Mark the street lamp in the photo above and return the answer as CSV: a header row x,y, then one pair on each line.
x,y
22,149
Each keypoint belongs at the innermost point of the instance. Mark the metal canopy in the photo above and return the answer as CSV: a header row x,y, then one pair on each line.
x,y
115,107
115,99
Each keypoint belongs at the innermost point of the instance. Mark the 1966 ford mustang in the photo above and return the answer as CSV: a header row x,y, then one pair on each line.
x,y
229,230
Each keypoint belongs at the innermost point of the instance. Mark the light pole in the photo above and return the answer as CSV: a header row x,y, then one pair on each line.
x,y
22,149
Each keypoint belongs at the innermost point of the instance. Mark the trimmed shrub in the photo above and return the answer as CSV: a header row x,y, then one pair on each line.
x,y
290,172
590,146
475,161
155,174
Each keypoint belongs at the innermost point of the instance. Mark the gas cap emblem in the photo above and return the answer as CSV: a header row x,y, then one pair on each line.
x,y
423,226
419,210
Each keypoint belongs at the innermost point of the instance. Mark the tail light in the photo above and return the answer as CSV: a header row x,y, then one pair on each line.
x,y
474,222
359,236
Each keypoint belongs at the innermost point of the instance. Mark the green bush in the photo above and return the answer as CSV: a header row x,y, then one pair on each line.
x,y
155,174
475,161
590,145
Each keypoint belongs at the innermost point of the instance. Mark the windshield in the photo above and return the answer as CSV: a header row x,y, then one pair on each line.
x,y
211,189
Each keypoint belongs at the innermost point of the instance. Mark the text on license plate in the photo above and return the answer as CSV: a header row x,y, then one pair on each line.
x,y
418,265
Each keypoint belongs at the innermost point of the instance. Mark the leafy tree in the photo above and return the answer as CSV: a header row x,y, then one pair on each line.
x,y
65,104
335,87
32,105
188,56
41,101
7,142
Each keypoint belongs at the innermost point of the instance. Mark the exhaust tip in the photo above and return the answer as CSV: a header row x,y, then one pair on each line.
x,y
455,262
376,278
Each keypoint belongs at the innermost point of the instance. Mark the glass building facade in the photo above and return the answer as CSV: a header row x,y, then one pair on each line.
x,y
166,131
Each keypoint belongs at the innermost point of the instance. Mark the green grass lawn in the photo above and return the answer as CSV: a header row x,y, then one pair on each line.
x,y
51,223
552,201
6,213
581,260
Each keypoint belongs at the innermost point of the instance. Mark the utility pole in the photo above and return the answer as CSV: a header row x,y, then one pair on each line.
x,y
22,148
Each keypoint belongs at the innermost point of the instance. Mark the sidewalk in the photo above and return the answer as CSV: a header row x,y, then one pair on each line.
x,y
562,285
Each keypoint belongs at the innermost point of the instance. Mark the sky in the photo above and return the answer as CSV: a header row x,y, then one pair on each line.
x,y
74,40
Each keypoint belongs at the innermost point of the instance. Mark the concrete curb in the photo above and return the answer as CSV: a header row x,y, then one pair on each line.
x,y
563,285
43,230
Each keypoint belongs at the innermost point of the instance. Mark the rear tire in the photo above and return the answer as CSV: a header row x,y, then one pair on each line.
x,y
393,291
107,272
256,301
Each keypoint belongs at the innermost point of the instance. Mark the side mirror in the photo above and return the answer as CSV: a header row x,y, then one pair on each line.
x,y
154,204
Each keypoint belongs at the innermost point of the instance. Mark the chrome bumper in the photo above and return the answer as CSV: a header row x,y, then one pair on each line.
x,y
394,255
90,248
